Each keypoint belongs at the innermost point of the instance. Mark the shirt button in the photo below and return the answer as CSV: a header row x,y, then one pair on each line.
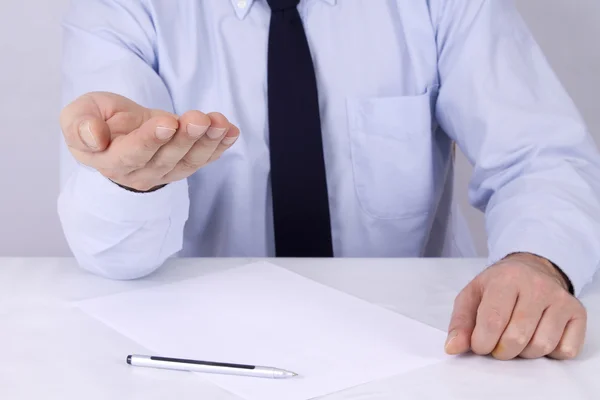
x,y
242,4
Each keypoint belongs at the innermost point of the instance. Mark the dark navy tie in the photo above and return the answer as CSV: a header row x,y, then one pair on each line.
x,y
298,181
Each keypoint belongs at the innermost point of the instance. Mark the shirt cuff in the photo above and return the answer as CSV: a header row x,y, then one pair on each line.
x,y
105,199
532,238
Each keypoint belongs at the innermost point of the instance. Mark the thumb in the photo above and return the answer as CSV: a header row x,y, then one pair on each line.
x,y
84,126
463,319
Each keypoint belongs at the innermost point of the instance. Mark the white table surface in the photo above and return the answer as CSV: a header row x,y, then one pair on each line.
x,y
51,350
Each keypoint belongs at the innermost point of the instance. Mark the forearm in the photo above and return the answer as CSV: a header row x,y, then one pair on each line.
x,y
120,234
113,232
554,214
536,168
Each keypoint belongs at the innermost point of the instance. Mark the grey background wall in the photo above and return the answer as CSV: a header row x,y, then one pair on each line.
x,y
568,31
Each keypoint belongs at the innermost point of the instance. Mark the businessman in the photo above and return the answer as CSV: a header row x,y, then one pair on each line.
x,y
322,128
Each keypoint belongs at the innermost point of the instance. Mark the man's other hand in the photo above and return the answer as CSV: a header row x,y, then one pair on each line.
x,y
519,307
140,148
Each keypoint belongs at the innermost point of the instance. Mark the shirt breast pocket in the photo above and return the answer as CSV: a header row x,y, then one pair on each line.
x,y
392,151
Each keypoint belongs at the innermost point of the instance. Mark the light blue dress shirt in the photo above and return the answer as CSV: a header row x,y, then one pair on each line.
x,y
400,81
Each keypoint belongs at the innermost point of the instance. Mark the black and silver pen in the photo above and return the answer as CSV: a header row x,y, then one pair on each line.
x,y
208,367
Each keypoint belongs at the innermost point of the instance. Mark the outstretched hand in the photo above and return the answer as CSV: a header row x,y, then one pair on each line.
x,y
140,148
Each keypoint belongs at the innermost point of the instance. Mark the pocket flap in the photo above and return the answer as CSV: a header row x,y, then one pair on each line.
x,y
395,117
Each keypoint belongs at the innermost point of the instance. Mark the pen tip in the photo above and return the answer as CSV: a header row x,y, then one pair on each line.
x,y
283,374
129,360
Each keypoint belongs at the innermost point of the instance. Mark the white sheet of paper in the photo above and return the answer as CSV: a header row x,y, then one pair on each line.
x,y
261,314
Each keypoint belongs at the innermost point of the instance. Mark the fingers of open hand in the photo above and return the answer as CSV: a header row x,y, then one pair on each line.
x,y
163,149
228,140
202,151
218,137
193,125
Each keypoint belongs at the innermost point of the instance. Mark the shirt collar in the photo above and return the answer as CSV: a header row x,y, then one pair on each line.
x,y
242,7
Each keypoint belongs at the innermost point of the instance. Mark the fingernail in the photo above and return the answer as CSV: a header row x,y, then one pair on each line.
x,y
163,133
215,133
196,131
450,338
229,140
87,136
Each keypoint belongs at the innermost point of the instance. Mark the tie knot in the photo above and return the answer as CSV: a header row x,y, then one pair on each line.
x,y
280,5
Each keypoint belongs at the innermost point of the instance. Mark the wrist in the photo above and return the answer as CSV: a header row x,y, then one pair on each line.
x,y
105,198
130,189
547,265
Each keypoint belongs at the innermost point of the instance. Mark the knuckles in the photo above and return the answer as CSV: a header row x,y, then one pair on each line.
x,y
190,165
545,348
494,321
512,272
543,288
562,297
162,165
130,163
518,338
540,347
539,289
540,286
